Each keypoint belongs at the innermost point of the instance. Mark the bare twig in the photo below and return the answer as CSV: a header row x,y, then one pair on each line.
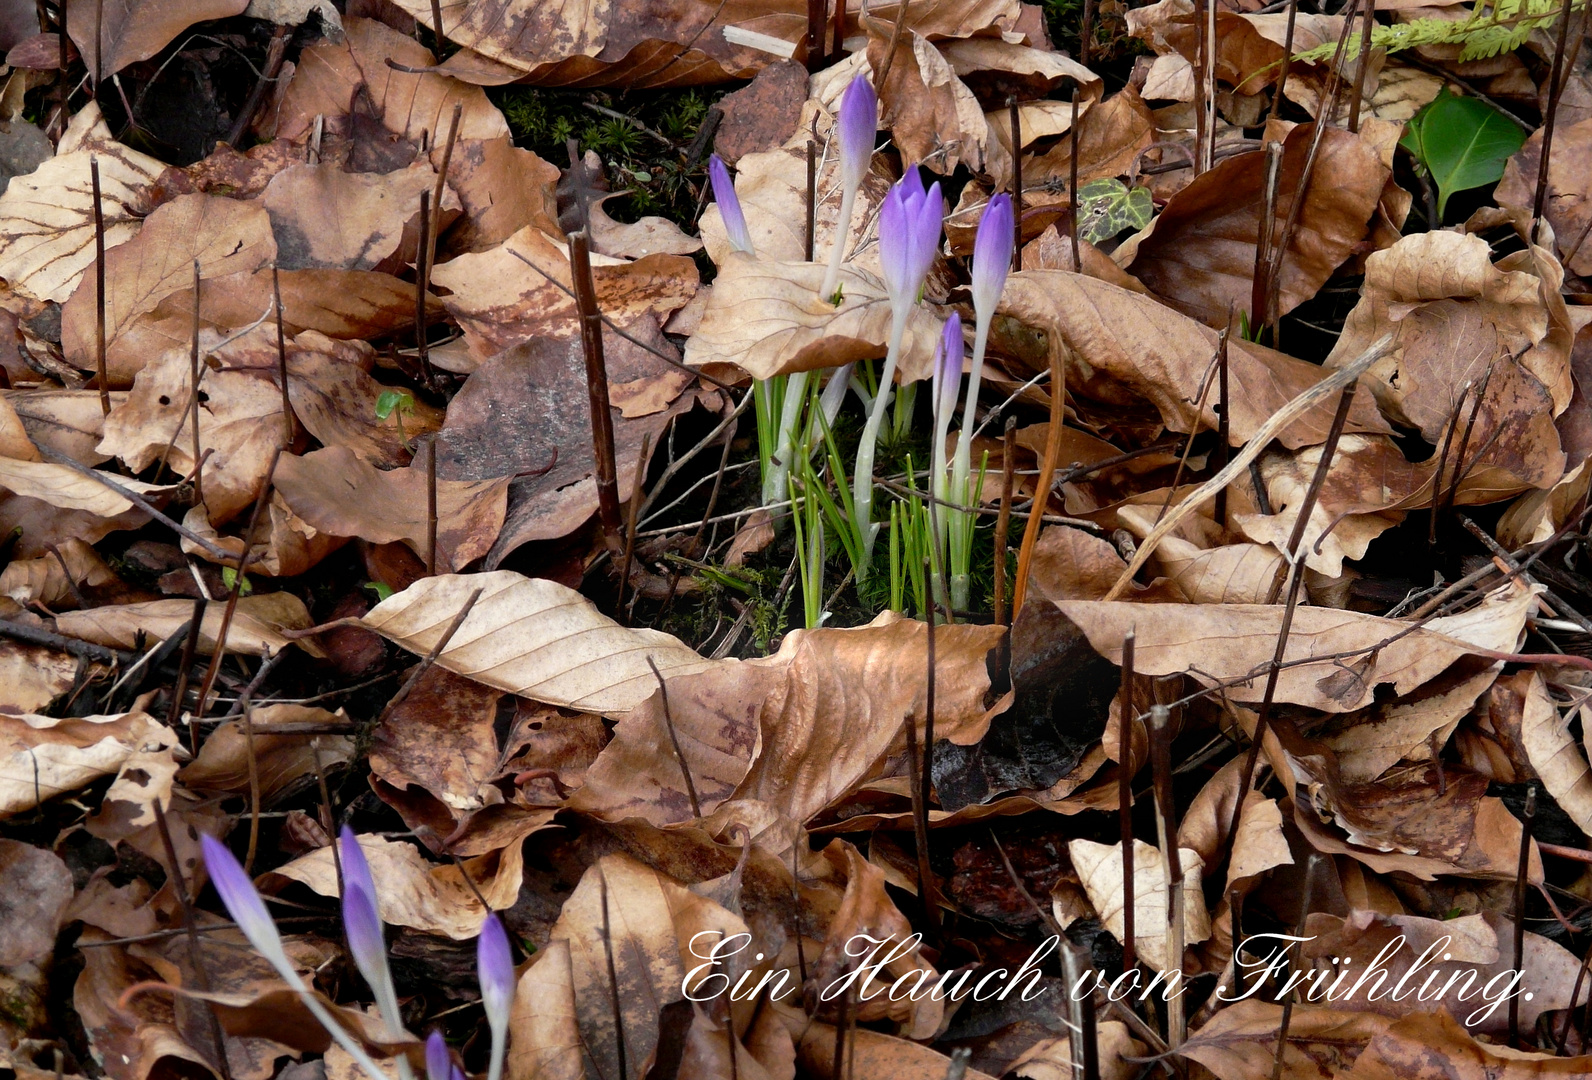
x,y
1528,816
1365,64
1047,473
281,355
1223,421
632,515
431,506
1126,717
1311,869
99,265
1166,825
190,926
674,739
602,425
1017,178
430,658
193,393
1555,88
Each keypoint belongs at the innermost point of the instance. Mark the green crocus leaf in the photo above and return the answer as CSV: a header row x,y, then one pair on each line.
x,y
1462,142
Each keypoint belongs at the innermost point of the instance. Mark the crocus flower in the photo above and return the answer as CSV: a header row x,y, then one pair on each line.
x,y
495,969
366,940
248,911
729,205
992,260
909,236
856,126
439,1064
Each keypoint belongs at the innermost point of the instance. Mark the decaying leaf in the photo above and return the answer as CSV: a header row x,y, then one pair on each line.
x,y
1099,868
42,756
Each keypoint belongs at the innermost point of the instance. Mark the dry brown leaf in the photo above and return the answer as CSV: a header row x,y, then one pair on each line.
x,y
1099,869
637,239
136,29
410,891
1131,342
45,580
1553,753
224,236
66,421
1369,743
328,219
338,492
500,301
766,318
1569,203
1261,844
932,116
1240,1042
65,487
1199,253
797,730
502,188
32,676
38,524
1110,136
349,81
43,756
290,546
1249,47
240,422
1235,640
442,739
1433,1044
534,638
1070,564
256,626
283,762
869,1053
544,1026
35,888
47,216
1051,1059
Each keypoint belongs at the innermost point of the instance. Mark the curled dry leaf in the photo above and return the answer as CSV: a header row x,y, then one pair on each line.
x,y
1099,868
1349,654
339,493
535,638
351,79
42,756
1434,1043
502,188
49,580
47,216
32,676
256,626
136,29
766,318
1552,749
932,116
544,1026
283,761
66,421
65,487
224,236
442,739
1051,1059
1128,341
290,545
797,730
1240,1041
410,891
1110,136
1199,253
1569,203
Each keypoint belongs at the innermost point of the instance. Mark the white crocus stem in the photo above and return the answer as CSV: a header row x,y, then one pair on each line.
x,y
837,250
778,482
862,481
961,527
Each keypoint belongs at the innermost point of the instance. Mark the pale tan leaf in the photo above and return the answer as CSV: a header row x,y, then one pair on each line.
x,y
1553,752
535,638
281,761
42,756
45,580
1240,1042
1051,1059
1369,743
256,625
544,1032
328,219
67,488
1099,868
31,676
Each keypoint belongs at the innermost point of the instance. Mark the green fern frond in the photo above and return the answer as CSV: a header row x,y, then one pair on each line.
x,y
1502,28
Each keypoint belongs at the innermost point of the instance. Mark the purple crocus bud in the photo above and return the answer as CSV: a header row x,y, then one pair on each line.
x,y
909,236
992,255
859,124
361,922
948,367
495,969
439,1064
242,901
729,205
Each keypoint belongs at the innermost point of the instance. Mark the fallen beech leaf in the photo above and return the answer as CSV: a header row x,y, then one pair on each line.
x,y
410,891
256,626
1199,253
1260,845
534,638
544,1026
1240,1041
500,301
1249,47
1099,868
47,216
224,236
1436,1045
282,762
870,1053
37,523
49,580
766,318
1051,1059
240,421
928,108
1569,204
637,239
290,546
42,756
325,218
1553,753
503,189
36,887
66,421
1235,640
136,29
32,676
442,739
795,731
340,493
1132,341
67,488
1110,135
1480,943
349,78
1369,743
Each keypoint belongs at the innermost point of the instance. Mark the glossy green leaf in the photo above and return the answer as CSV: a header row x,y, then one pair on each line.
x,y
1107,207
1462,143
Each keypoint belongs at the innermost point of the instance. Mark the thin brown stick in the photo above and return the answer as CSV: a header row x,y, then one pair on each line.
x,y
1555,88
1072,181
254,790
421,345
430,658
1295,580
1166,825
1365,64
99,44
1311,869
237,588
99,276
1287,58
890,48
1047,475
1003,522
64,88
925,781
431,507
191,928
281,356
920,819
1202,47
137,500
811,238
71,579
674,739
190,646
815,39
1223,421
632,517
275,53
1208,75
1260,283
1085,1028
613,977
602,425
1562,606
1529,815
839,34
1015,116
442,180
1126,716
436,26
193,394
838,1069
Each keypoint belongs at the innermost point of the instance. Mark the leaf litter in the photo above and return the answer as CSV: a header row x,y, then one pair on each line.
x,y
361,558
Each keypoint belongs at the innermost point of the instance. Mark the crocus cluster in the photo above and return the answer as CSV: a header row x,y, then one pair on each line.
x,y
363,926
910,219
